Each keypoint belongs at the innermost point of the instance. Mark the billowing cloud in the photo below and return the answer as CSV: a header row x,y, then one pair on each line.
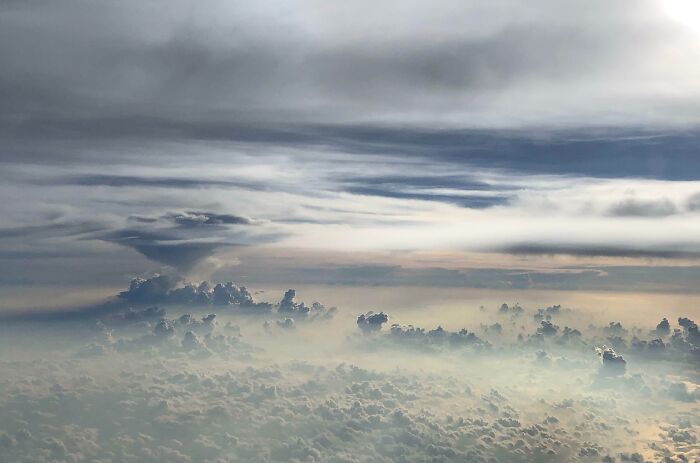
x,y
178,386
371,322
611,361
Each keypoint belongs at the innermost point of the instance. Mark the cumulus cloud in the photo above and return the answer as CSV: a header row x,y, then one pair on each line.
x,y
289,306
681,392
169,291
663,328
371,322
146,291
548,313
612,363
131,315
198,219
164,289
438,338
195,386
513,310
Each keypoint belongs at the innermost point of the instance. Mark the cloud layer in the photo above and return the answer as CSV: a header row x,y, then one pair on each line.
x,y
131,69
515,385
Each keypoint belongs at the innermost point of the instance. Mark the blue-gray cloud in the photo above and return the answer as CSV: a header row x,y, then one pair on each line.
x,y
637,208
670,251
182,239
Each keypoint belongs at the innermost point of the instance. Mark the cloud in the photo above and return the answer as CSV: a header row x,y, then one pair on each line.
x,y
164,329
130,181
177,388
671,251
548,313
172,291
197,219
680,392
191,341
458,190
289,306
404,134
131,315
163,289
206,324
514,310
58,228
691,330
469,201
638,208
148,291
371,322
439,338
694,203
287,323
468,62
547,328
612,363
183,239
164,248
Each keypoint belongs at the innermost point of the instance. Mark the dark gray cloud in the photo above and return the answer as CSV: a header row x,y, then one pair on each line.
x,y
199,218
128,181
182,239
149,291
639,208
176,239
694,203
465,191
129,63
671,251
146,76
164,248
166,289
679,391
605,152
58,228
131,315
613,363
425,181
438,338
371,322
464,200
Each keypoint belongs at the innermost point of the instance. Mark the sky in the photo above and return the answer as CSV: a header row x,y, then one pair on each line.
x,y
467,144
347,232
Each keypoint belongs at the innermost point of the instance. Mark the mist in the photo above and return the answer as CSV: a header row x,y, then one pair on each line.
x,y
169,371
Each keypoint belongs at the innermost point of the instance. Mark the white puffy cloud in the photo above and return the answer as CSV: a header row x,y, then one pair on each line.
x,y
184,384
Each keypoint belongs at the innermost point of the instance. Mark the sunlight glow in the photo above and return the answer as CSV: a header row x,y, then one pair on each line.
x,y
685,12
